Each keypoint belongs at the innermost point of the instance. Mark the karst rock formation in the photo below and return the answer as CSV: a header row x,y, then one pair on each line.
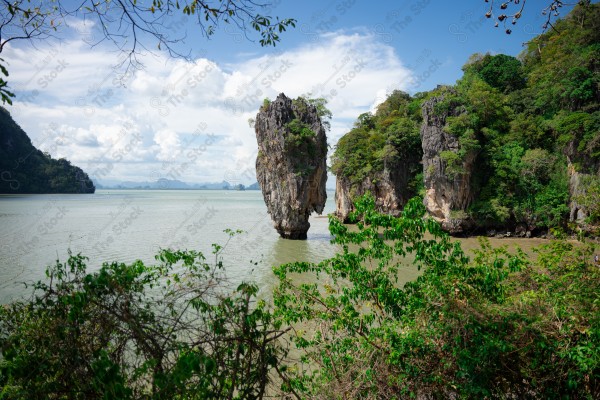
x,y
291,163
447,196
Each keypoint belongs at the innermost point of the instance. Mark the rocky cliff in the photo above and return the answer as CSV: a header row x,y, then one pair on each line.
x,y
447,194
576,211
291,163
513,148
380,155
582,191
25,169
390,189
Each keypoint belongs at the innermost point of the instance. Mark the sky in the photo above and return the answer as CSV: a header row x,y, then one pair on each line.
x,y
188,119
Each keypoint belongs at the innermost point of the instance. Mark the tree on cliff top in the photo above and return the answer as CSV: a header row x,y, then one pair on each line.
x,y
501,71
380,140
320,104
133,26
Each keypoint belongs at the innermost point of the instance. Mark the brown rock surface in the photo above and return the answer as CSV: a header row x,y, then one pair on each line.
x,y
291,163
447,196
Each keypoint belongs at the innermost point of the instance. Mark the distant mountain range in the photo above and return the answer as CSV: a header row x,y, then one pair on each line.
x,y
174,184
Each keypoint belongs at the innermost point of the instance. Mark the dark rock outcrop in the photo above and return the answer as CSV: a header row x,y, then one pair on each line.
x,y
390,189
447,195
579,183
291,163
26,169
577,211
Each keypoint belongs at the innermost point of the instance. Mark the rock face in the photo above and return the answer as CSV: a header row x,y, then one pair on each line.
x,y
390,189
291,163
576,211
447,196
578,186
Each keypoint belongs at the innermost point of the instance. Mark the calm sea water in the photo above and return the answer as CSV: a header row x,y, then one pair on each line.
x,y
125,225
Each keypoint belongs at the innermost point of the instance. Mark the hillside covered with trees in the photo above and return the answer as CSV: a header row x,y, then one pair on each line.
x,y
26,169
520,139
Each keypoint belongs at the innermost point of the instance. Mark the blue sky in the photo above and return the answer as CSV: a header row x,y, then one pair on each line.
x,y
188,120
449,31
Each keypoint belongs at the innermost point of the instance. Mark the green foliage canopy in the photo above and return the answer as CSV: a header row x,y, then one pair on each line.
x,y
485,328
381,140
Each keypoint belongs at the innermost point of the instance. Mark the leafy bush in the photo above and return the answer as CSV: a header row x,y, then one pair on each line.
x,y
133,331
497,326
265,104
299,134
300,145
494,327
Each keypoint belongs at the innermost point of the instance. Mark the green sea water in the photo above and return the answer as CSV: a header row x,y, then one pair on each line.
x,y
125,225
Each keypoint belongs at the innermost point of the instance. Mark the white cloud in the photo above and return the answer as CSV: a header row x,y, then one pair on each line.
x,y
80,26
169,146
188,117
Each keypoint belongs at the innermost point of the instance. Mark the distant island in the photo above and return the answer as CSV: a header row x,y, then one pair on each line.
x,y
26,169
174,184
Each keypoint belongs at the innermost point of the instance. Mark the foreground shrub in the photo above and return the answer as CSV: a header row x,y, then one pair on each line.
x,y
495,327
132,331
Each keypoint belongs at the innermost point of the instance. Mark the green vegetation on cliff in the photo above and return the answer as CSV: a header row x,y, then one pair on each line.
x,y
532,123
25,169
381,141
300,141
546,114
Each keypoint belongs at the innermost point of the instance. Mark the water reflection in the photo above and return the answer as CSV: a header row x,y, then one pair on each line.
x,y
316,248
